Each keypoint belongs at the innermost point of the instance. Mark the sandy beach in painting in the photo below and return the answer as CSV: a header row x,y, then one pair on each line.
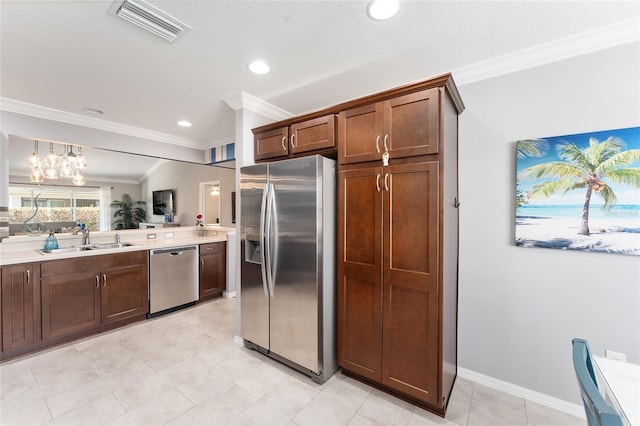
x,y
607,236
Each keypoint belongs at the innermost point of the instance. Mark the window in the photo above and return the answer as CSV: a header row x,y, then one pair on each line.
x,y
55,204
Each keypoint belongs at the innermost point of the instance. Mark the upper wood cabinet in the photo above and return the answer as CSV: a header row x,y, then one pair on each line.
x,y
271,144
308,136
405,126
313,135
20,306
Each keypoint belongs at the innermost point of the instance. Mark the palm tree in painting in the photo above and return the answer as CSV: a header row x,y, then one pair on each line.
x,y
587,168
531,148
528,148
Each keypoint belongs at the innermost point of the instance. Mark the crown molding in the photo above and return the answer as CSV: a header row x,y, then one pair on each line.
x,y
24,108
243,100
591,41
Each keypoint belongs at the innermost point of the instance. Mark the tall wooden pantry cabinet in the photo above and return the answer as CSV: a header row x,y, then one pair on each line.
x,y
398,240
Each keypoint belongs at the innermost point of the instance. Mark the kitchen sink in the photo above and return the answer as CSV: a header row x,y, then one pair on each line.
x,y
110,245
77,249
66,250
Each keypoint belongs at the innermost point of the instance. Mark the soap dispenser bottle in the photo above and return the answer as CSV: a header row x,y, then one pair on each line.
x,y
52,242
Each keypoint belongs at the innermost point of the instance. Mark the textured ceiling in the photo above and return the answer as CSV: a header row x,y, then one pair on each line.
x,y
70,54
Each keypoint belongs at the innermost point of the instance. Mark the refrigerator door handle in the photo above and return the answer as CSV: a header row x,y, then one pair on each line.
x,y
268,254
263,262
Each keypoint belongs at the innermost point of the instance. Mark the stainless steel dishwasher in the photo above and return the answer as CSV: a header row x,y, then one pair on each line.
x,y
173,279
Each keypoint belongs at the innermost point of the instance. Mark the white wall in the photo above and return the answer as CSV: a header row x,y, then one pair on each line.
x,y
519,308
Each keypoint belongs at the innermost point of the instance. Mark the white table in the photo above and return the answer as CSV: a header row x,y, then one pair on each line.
x,y
621,388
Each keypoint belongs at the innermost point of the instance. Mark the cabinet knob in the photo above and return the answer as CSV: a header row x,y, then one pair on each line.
x,y
28,276
292,144
97,281
378,182
201,263
284,139
386,138
104,280
378,144
386,181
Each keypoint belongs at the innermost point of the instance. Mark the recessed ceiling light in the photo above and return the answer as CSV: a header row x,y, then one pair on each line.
x,y
382,9
184,123
259,67
93,111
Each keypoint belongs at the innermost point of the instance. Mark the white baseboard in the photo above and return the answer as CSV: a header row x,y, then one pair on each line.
x,y
229,294
238,341
531,395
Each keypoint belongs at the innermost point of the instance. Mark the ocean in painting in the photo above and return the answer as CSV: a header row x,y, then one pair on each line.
x,y
627,212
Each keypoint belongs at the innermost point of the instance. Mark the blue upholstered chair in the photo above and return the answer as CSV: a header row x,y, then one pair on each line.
x,y
599,412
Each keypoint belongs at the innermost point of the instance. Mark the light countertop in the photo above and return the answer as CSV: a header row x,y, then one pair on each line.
x,y
24,249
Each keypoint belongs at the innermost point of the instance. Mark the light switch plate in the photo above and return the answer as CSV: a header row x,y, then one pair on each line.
x,y
151,236
168,234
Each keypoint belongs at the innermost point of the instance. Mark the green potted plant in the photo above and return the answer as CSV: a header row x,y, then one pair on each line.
x,y
129,212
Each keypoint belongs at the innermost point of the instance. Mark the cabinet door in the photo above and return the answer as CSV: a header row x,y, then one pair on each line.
x,y
411,124
312,135
271,144
124,293
411,314
360,134
213,275
18,306
70,303
359,272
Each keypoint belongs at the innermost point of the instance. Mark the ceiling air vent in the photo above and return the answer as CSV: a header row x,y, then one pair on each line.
x,y
150,18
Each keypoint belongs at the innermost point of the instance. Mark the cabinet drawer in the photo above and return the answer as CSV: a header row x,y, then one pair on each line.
x,y
211,248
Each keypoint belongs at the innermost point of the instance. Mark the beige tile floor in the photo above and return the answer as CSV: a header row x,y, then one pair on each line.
x,y
184,369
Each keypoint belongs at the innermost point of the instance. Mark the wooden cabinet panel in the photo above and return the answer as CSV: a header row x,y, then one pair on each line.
x,y
300,138
359,277
410,301
359,133
313,135
124,293
19,306
405,126
411,124
271,144
82,293
70,303
213,278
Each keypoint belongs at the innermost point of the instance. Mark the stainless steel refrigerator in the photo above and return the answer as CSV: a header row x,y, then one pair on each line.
x,y
288,249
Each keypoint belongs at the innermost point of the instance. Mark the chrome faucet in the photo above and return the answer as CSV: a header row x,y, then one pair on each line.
x,y
85,235
117,238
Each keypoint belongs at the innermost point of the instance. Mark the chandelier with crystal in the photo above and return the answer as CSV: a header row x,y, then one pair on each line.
x,y
54,166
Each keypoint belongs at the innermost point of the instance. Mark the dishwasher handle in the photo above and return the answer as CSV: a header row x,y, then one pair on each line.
x,y
175,251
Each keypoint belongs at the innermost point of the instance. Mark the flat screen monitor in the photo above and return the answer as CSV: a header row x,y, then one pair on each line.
x,y
163,202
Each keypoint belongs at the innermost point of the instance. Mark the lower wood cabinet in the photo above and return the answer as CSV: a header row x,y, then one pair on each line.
x,y
82,293
213,277
388,294
20,306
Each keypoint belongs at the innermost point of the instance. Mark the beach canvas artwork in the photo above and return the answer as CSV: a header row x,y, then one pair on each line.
x,y
580,192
